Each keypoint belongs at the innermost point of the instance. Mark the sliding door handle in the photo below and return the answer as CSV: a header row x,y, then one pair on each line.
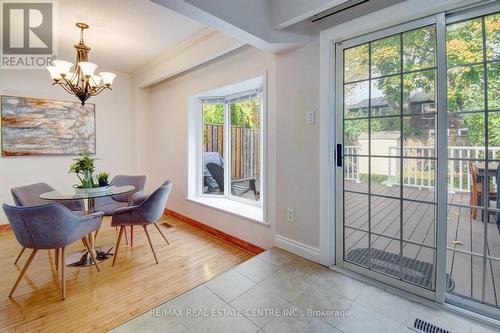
x,y
339,155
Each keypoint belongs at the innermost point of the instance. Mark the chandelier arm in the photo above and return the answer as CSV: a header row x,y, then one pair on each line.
x,y
64,86
69,85
98,90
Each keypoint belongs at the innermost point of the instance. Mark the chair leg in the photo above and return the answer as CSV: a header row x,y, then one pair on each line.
x,y
19,255
92,254
57,259
25,268
63,273
117,245
150,243
96,232
161,233
126,238
131,236
473,202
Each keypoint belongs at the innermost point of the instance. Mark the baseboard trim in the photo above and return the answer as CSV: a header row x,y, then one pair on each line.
x,y
300,249
239,243
5,227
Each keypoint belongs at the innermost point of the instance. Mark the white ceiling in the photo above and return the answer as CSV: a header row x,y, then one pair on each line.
x,y
124,34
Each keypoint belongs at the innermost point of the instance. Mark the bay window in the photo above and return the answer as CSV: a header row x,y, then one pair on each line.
x,y
227,136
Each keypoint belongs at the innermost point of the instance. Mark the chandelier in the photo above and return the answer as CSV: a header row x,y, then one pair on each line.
x,y
81,82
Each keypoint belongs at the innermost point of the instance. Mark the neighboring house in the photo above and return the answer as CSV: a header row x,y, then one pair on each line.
x,y
421,125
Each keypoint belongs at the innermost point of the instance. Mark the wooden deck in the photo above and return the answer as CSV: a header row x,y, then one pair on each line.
x,y
464,234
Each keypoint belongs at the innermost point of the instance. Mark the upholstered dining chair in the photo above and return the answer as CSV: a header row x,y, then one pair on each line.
x,y
108,205
50,226
29,195
143,212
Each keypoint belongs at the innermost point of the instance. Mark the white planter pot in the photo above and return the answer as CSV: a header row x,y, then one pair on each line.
x,y
89,191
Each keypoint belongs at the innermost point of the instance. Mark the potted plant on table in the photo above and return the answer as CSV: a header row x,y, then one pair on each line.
x,y
84,168
103,178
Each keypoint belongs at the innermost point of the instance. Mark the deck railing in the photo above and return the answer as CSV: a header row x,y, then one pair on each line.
x,y
351,170
419,167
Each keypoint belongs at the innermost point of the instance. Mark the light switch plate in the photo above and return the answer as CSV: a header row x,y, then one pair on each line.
x,y
311,117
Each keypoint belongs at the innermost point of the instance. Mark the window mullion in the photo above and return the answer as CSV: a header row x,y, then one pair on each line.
x,y
442,158
227,152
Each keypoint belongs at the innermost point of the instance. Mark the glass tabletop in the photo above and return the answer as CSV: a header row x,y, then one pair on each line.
x,y
113,190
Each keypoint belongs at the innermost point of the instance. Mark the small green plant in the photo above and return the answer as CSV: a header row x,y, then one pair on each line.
x,y
83,167
103,178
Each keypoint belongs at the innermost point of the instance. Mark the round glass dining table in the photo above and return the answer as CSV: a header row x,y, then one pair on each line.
x,y
82,258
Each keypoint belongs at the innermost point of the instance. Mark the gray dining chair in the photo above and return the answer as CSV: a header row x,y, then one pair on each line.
x,y
50,226
29,195
108,205
144,211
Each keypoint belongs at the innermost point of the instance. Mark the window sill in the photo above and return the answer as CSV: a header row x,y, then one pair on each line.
x,y
249,212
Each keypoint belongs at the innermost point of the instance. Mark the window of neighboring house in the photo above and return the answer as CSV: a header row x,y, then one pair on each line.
x,y
380,111
428,107
231,146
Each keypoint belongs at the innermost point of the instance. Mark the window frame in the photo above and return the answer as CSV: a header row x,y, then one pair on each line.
x,y
226,101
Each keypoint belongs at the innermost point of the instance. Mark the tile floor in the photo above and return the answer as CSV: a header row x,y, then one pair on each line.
x,y
273,291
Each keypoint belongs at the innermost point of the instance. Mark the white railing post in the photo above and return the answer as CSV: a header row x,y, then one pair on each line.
x,y
351,163
458,169
451,175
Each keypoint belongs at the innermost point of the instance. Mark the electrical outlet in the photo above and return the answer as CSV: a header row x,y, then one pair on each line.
x,y
290,214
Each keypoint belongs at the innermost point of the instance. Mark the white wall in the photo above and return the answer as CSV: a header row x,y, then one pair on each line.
x,y
145,131
169,137
297,91
293,146
116,134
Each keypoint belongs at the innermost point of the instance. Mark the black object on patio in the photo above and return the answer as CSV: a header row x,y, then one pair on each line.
x,y
414,271
238,187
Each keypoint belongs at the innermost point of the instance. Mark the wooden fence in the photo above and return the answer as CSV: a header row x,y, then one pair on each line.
x,y
245,148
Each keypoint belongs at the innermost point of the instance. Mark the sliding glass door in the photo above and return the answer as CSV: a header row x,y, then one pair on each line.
x,y
473,237
389,119
418,104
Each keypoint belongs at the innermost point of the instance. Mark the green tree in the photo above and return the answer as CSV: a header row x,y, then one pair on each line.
x,y
464,43
213,114
245,113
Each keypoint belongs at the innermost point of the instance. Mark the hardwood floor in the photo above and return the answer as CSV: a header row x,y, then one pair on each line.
x,y
99,301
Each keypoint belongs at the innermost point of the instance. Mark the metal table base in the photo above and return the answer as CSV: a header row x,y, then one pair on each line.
x,y
82,258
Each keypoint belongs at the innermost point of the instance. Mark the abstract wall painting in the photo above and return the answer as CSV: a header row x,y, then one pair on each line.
x,y
33,126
